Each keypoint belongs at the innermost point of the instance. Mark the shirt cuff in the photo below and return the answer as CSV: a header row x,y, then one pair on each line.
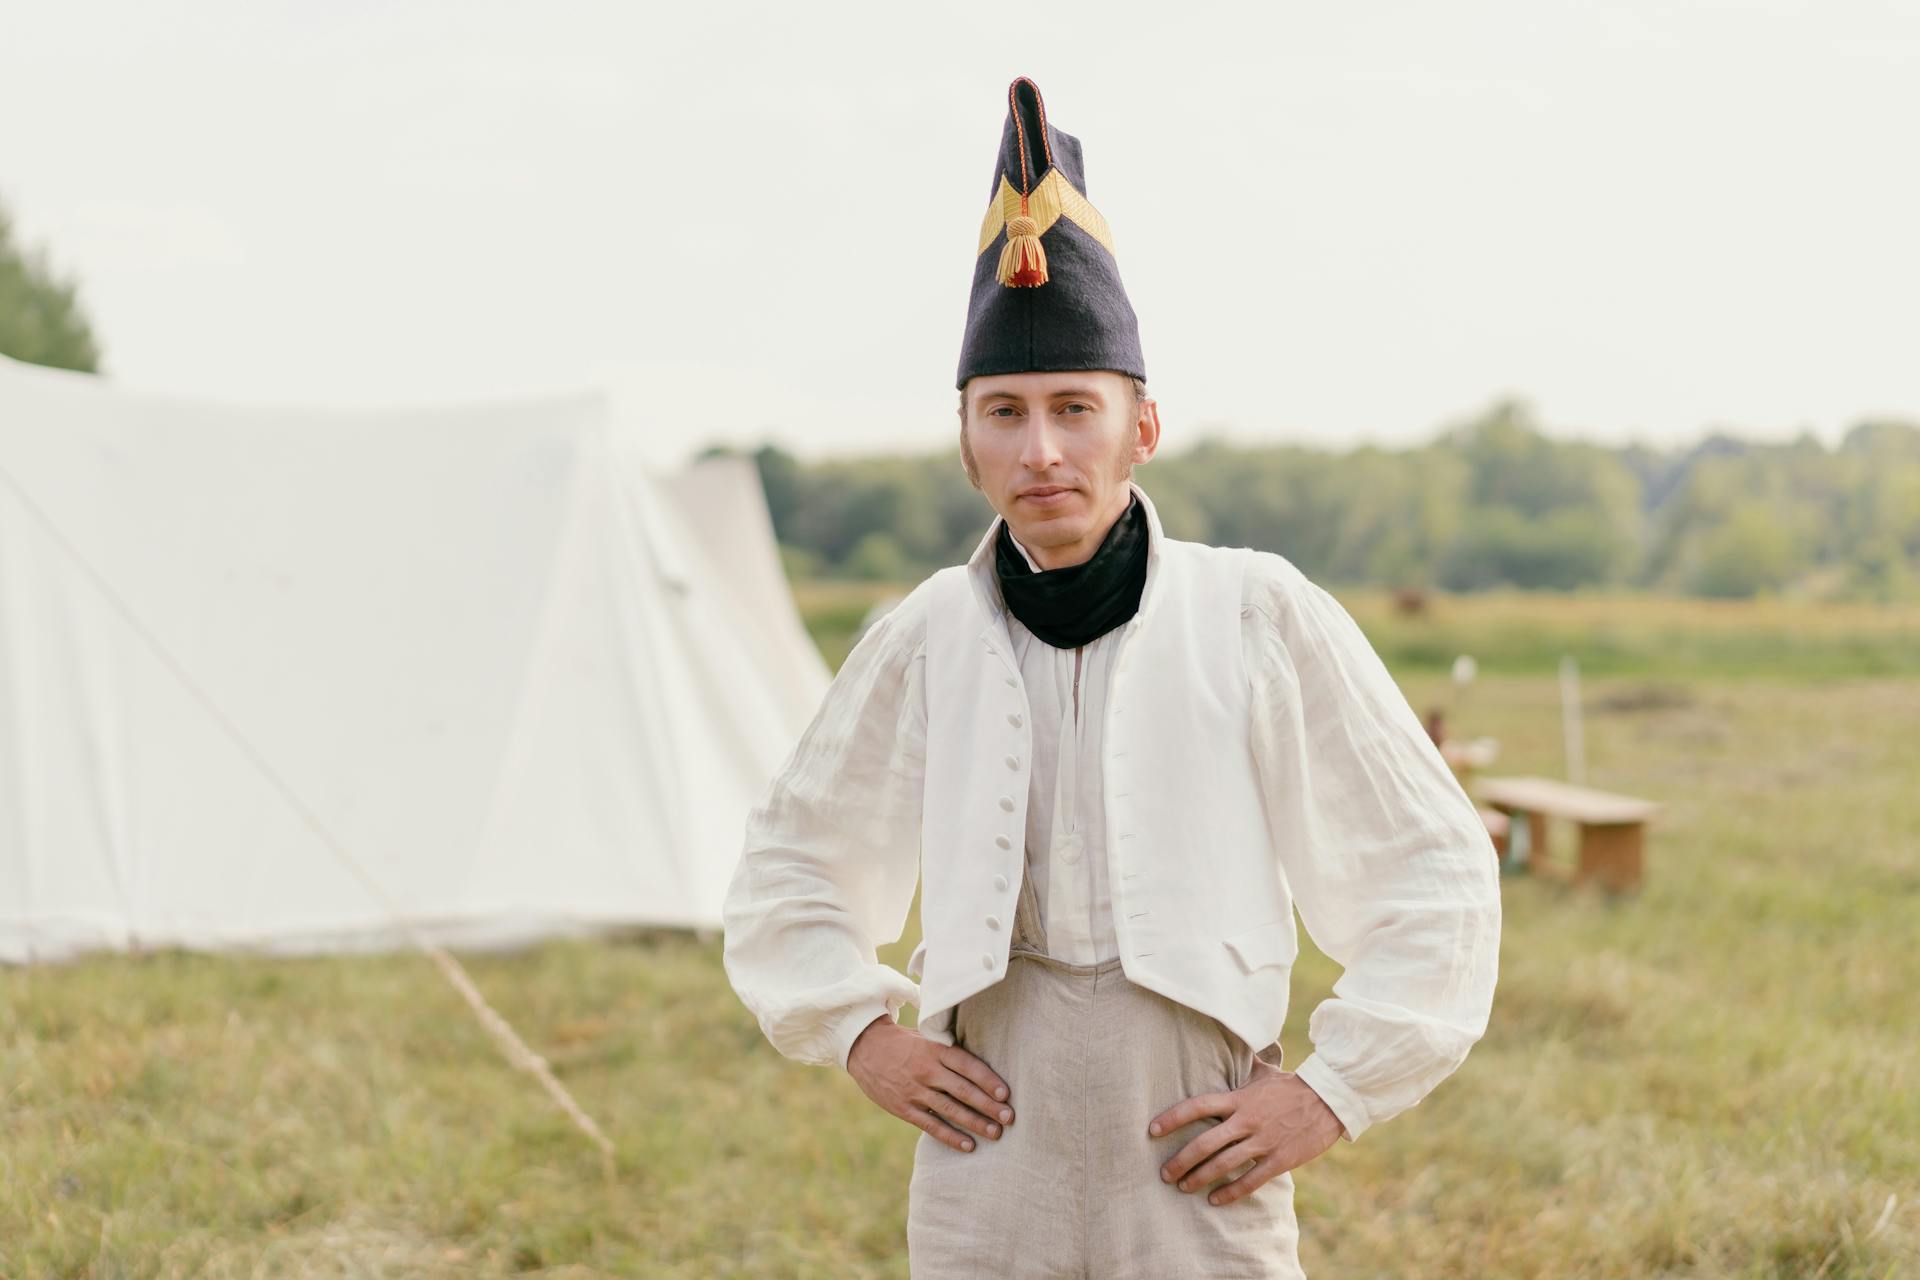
x,y
1333,1091
853,1022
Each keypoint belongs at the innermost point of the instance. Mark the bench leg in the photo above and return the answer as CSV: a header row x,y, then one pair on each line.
x,y
1610,855
1526,849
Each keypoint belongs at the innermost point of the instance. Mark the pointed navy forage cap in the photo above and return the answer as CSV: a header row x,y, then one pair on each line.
x,y
1046,288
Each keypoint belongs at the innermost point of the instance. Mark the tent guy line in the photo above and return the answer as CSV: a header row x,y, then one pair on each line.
x,y
516,1050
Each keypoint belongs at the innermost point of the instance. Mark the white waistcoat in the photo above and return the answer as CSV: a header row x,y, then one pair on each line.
x,y
1200,906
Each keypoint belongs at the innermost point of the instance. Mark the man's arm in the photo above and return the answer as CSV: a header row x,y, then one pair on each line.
x,y
832,854
1388,860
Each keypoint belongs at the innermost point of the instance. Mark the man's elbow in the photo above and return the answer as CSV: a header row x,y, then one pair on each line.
x,y
1478,970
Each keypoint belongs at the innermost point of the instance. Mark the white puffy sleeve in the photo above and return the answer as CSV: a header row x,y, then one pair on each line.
x,y
1388,861
832,855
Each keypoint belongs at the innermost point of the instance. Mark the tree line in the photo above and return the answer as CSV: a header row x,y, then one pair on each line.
x,y
1491,502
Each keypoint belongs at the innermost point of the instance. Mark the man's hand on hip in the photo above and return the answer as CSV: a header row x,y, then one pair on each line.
x,y
921,1081
1275,1120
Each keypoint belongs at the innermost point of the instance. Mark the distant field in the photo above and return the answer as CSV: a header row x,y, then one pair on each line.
x,y
1718,1078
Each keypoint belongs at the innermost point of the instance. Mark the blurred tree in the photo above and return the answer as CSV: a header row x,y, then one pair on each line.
x,y
40,317
877,557
781,477
798,563
1748,552
1502,547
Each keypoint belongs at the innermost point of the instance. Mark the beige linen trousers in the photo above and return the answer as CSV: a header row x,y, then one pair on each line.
x,y
1072,1187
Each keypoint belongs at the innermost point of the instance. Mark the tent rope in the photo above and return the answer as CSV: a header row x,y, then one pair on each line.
x,y
511,1044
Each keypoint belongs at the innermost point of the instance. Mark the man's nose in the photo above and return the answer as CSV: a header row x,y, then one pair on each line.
x,y
1040,451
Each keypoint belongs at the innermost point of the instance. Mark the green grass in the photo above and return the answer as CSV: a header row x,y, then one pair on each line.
x,y
1714,1078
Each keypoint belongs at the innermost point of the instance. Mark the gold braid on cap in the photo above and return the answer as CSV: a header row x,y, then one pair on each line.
x,y
1026,218
1026,214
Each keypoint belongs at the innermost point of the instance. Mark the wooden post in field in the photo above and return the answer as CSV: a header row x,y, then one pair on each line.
x,y
1464,670
1570,720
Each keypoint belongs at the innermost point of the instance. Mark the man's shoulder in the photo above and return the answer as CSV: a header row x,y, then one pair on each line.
x,y
1268,580
1271,572
1280,591
902,629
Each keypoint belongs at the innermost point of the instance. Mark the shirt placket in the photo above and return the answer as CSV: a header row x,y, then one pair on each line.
x,y
1069,896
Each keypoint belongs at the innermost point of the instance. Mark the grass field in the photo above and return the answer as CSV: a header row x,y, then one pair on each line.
x,y
1718,1077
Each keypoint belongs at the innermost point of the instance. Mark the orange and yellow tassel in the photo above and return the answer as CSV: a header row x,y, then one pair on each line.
x,y
1022,260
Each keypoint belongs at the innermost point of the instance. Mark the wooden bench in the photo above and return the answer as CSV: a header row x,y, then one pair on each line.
x,y
1612,828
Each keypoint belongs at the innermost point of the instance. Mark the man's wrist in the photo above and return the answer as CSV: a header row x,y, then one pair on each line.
x,y
854,1024
1342,1101
862,1033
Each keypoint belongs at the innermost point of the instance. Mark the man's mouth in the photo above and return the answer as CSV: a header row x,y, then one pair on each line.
x,y
1046,495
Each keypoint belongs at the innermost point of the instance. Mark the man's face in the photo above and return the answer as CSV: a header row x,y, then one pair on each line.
x,y
1053,453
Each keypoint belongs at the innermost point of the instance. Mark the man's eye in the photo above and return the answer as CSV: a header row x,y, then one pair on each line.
x,y
1077,405
1000,411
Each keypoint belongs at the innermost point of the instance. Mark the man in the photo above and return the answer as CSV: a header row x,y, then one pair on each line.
x,y
1116,763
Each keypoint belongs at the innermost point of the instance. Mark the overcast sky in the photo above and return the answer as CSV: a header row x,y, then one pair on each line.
x,y
1338,223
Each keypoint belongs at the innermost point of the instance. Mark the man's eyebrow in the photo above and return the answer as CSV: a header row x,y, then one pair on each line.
x,y
1091,392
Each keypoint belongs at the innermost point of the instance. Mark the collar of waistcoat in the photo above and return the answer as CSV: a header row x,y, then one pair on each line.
x,y
986,580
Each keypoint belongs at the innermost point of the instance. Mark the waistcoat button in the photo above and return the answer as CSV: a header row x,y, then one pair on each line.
x,y
993,922
1006,802
1000,882
1012,683
986,962
1072,854
1003,842
1013,719
1013,762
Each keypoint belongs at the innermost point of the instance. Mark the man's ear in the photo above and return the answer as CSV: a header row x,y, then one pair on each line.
x,y
1149,428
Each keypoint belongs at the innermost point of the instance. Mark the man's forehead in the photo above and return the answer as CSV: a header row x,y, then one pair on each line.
x,y
1097,383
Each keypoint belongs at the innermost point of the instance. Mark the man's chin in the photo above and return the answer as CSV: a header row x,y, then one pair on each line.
x,y
1049,531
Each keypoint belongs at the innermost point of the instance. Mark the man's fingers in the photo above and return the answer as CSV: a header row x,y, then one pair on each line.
x,y
1204,1104
1187,1159
959,1060
960,1115
946,1133
1222,1163
974,1096
1264,1170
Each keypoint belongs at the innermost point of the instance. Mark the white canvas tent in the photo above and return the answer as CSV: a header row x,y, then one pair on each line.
x,y
530,686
